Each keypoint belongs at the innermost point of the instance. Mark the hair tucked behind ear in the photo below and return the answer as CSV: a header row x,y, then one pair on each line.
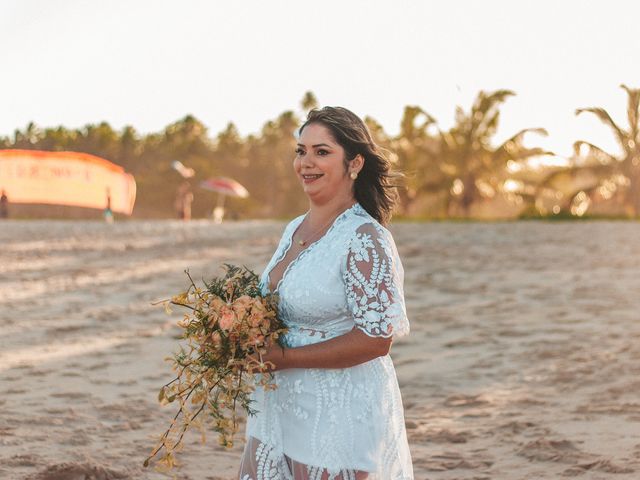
x,y
373,188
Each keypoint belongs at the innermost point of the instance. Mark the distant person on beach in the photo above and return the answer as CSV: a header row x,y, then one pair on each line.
x,y
184,199
108,213
4,205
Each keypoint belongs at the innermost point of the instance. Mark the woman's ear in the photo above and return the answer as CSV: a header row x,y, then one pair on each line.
x,y
357,163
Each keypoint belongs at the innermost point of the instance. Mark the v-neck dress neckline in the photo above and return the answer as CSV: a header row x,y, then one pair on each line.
x,y
302,253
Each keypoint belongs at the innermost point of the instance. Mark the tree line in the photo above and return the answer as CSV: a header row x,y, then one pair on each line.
x,y
455,172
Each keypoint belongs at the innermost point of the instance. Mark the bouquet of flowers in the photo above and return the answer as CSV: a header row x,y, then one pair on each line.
x,y
227,326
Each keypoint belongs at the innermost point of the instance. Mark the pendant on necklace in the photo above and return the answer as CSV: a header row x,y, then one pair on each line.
x,y
301,243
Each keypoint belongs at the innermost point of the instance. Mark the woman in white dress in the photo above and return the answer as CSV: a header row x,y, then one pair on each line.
x,y
336,413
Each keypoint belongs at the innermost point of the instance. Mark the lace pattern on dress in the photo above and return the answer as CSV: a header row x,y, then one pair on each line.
x,y
373,281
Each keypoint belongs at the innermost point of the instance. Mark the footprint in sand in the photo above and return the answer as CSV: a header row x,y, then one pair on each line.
x,y
78,437
438,435
15,391
599,465
26,460
461,400
564,451
545,450
70,395
73,471
516,427
452,461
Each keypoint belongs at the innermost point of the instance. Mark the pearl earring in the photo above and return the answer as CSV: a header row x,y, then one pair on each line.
x,y
353,175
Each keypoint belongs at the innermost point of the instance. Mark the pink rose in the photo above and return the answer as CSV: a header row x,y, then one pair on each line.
x,y
215,307
227,318
255,319
258,305
216,303
241,305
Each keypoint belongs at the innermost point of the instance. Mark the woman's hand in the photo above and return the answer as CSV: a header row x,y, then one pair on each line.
x,y
273,358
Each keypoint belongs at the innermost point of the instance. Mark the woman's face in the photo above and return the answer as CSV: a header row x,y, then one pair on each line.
x,y
319,165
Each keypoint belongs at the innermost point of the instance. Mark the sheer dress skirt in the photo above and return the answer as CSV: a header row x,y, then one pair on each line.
x,y
329,424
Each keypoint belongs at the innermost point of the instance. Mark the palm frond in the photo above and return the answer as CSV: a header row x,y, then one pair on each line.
x,y
408,124
526,153
429,119
487,101
518,137
512,148
605,118
633,111
594,148
487,125
448,140
485,115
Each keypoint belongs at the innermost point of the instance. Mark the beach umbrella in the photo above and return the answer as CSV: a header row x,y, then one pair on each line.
x,y
223,186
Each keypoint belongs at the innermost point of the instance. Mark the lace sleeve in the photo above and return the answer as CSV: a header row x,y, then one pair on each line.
x,y
373,279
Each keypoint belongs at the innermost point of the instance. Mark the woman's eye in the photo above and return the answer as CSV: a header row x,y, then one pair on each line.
x,y
299,151
323,152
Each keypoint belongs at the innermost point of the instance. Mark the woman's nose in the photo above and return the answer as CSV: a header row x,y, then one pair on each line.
x,y
306,161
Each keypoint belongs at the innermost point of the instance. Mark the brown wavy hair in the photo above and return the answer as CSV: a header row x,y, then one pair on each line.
x,y
373,188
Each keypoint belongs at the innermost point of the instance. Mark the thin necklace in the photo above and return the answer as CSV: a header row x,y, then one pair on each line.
x,y
303,241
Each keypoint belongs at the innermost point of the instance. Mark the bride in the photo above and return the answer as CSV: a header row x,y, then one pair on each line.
x,y
336,413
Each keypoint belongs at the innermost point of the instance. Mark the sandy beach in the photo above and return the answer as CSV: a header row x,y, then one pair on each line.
x,y
523,361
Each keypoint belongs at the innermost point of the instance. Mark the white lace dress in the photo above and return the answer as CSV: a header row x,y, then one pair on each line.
x,y
334,424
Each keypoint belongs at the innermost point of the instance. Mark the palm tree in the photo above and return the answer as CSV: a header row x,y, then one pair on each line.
x,y
472,168
271,156
28,138
415,151
308,102
603,173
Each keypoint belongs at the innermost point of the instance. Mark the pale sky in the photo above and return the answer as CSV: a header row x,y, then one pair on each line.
x,y
150,62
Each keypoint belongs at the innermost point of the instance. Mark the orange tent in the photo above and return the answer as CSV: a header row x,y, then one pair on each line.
x,y
65,178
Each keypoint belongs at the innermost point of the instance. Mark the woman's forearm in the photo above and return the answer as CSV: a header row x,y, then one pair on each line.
x,y
348,350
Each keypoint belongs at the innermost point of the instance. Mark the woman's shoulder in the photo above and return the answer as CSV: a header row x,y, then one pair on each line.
x,y
362,225
363,222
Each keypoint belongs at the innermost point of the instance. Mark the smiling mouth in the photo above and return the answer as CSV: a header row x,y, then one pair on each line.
x,y
312,177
